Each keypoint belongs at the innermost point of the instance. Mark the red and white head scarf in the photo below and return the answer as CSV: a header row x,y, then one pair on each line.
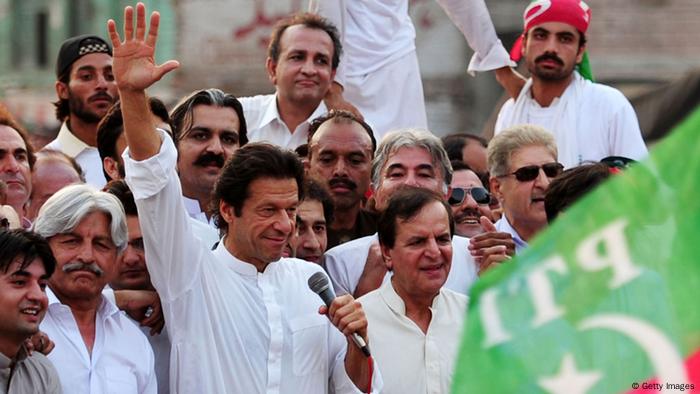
x,y
572,12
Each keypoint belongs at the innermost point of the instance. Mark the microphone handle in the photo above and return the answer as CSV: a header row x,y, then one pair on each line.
x,y
327,296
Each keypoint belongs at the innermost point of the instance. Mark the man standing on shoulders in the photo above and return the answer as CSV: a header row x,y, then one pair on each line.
x,y
589,121
302,57
274,338
26,263
86,90
416,323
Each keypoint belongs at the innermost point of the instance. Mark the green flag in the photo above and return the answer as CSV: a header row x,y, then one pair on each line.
x,y
606,300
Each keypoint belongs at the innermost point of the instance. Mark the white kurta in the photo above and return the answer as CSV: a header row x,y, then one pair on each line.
x,y
413,361
233,329
345,264
87,156
590,121
121,360
379,67
265,123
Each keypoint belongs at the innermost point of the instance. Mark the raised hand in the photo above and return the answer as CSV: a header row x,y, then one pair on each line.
x,y
134,65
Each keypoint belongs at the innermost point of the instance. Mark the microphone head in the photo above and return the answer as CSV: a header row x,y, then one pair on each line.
x,y
318,282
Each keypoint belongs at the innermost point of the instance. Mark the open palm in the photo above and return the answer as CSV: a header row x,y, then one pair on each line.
x,y
134,65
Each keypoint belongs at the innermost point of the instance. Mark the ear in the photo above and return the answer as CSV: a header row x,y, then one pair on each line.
x,y
523,45
111,167
386,255
579,56
61,90
495,188
449,193
226,211
271,68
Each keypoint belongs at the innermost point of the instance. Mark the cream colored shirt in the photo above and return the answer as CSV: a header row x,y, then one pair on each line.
x,y
87,156
411,361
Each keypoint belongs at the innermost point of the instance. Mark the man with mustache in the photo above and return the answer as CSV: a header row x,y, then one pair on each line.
x,y
26,263
341,149
97,348
16,164
208,127
589,121
86,90
302,57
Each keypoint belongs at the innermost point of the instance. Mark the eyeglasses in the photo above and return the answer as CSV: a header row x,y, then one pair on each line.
x,y
530,173
619,162
480,195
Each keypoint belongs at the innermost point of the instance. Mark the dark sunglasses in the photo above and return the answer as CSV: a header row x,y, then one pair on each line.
x,y
530,173
479,194
619,162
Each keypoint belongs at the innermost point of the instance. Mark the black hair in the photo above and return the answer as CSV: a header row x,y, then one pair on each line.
x,y
314,191
27,246
571,185
251,162
339,116
121,190
404,205
312,21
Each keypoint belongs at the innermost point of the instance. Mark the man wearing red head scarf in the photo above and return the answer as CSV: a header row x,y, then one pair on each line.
x,y
589,121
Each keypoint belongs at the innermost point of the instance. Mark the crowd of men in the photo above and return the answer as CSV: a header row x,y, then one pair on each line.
x,y
151,250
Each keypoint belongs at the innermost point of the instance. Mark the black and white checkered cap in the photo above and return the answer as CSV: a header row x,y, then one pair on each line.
x,y
76,47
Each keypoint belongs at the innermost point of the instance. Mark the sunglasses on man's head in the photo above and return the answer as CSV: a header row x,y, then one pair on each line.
x,y
530,173
479,194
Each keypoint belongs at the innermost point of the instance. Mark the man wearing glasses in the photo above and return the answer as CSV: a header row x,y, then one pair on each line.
x,y
522,161
469,201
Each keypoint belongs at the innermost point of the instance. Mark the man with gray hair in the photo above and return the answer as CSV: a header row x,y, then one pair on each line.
x,y
97,347
404,157
522,161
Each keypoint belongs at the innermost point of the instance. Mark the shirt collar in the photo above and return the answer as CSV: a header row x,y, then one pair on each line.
x,y
240,266
504,225
272,113
395,302
6,362
105,310
191,206
70,144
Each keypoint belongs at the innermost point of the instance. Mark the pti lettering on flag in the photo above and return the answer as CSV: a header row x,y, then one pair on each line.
x,y
606,299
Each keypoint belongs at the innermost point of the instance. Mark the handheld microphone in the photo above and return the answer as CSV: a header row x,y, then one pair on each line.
x,y
318,283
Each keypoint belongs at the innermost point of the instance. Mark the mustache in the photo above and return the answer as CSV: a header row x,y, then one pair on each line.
x,y
549,56
209,158
78,266
101,95
343,182
469,212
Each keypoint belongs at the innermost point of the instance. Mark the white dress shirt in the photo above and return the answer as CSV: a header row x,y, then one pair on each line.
x,y
121,361
87,156
345,264
504,226
265,123
233,329
413,361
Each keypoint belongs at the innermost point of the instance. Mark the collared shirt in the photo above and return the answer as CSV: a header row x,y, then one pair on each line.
x,y
403,350
503,225
26,374
365,224
265,123
233,329
121,360
346,262
87,156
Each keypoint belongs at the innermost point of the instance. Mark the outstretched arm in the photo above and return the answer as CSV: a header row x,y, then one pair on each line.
x,y
135,70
